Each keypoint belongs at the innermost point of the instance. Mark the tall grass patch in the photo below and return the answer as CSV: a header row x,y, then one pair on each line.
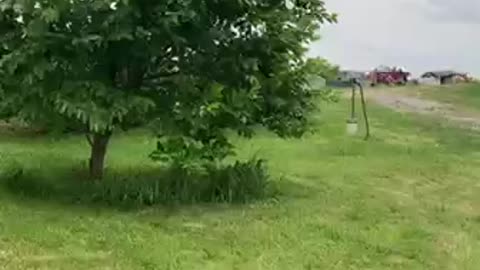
x,y
241,182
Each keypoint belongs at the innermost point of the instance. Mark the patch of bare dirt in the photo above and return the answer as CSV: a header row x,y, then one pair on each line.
x,y
403,103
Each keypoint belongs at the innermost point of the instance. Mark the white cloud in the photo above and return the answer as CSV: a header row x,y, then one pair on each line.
x,y
406,33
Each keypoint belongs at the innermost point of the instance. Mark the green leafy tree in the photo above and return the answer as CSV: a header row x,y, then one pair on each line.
x,y
189,68
321,67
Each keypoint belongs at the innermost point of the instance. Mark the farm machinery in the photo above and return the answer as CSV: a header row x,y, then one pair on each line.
x,y
388,76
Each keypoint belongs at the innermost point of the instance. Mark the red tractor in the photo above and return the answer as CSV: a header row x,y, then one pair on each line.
x,y
388,76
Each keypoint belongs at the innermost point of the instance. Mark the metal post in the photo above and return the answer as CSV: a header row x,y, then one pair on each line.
x,y
352,115
364,108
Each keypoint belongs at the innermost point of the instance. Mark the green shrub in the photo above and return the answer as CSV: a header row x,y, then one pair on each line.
x,y
238,183
241,182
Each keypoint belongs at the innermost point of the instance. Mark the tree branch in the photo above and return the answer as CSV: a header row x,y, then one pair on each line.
x,y
160,75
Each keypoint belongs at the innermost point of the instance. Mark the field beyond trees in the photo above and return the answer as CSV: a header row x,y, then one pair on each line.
x,y
406,199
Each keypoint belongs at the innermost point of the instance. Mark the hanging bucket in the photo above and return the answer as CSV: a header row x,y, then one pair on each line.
x,y
352,127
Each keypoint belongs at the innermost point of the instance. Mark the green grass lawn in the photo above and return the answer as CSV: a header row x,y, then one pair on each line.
x,y
407,199
463,95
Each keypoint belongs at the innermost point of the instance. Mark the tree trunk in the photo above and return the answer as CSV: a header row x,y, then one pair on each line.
x,y
98,143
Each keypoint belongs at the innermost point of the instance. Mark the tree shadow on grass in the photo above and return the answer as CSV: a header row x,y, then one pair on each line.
x,y
127,190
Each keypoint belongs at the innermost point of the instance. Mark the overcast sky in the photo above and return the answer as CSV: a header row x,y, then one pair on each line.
x,y
419,35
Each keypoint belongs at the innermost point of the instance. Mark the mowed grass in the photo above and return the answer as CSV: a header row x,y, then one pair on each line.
x,y
465,96
407,199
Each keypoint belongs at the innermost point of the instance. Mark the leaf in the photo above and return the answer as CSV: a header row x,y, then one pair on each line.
x,y
50,15
36,27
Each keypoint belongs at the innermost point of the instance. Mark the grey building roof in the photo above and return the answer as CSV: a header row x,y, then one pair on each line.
x,y
352,74
441,74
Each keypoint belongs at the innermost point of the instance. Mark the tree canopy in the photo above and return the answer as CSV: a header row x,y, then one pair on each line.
x,y
189,68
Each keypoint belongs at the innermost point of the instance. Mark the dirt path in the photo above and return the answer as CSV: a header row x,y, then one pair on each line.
x,y
403,103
